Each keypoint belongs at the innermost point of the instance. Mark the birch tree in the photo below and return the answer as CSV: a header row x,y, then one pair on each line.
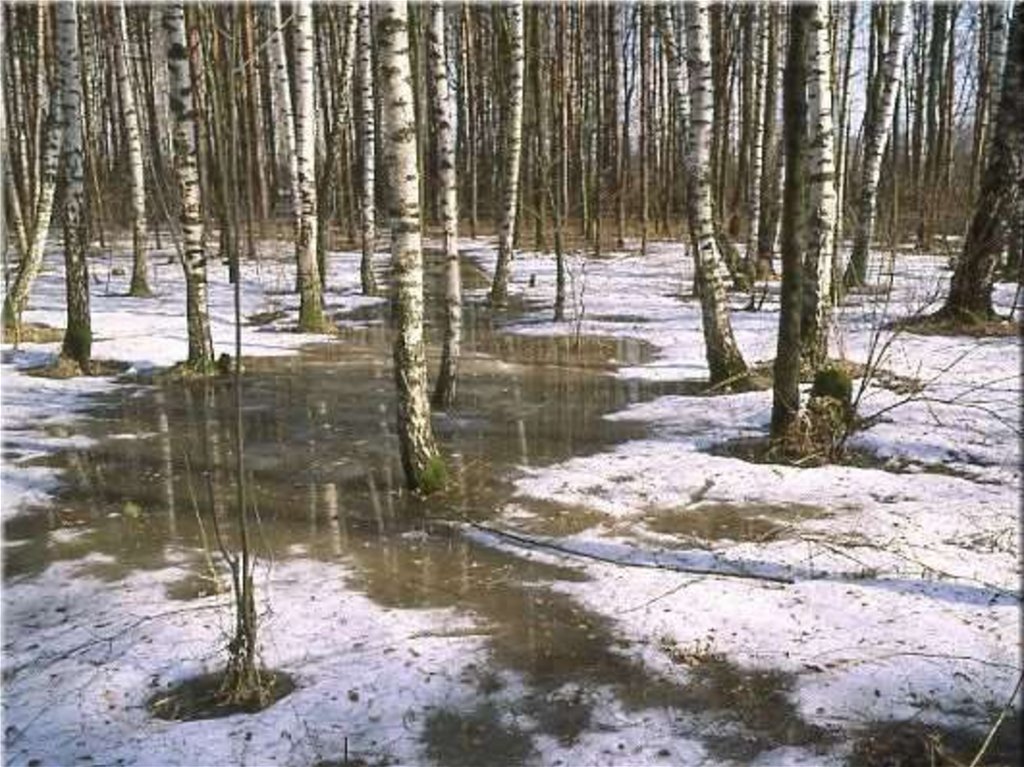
x,y
442,118
725,362
421,461
876,134
126,93
970,290
77,345
786,387
368,210
200,343
513,127
757,140
31,252
283,99
817,276
311,314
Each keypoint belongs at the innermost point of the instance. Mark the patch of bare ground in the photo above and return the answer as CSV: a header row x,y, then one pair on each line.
x,y
914,744
944,324
900,384
63,367
204,697
33,333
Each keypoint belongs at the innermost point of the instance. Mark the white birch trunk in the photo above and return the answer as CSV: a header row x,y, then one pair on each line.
x,y
77,345
724,359
513,146
757,147
11,197
817,275
368,208
996,61
442,116
311,315
200,344
876,135
421,461
283,97
126,92
32,258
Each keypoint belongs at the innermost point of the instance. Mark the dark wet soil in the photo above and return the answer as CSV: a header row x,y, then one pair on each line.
x,y
914,744
203,697
709,521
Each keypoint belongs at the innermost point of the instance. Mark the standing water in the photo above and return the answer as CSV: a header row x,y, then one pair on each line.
x,y
324,475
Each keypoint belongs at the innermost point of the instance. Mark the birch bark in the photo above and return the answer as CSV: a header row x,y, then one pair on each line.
x,y
311,314
876,134
817,275
421,461
200,343
513,146
368,210
126,92
725,362
283,97
77,344
444,131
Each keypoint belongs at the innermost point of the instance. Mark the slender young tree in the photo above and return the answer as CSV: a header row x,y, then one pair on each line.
x,y
876,134
200,343
311,311
283,99
725,362
442,118
126,93
31,252
817,274
513,130
970,290
786,389
367,129
421,461
767,220
763,22
77,345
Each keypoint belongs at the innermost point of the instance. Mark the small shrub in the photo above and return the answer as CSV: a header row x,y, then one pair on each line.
x,y
434,476
833,382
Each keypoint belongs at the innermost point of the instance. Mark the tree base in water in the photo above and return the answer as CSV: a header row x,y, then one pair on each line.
x,y
204,697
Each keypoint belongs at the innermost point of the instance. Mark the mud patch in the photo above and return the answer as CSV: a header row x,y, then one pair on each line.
x,y
913,744
476,737
720,521
202,697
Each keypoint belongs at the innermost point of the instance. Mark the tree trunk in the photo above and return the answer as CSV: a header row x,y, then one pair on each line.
x,y
77,344
513,127
444,131
843,146
311,313
786,389
200,344
876,133
817,276
770,162
423,466
763,22
32,258
723,355
126,92
283,96
970,290
368,216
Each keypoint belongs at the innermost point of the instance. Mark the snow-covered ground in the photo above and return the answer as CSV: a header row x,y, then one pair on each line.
x,y
903,603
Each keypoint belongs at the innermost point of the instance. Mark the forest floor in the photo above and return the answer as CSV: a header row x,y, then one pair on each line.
x,y
564,628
